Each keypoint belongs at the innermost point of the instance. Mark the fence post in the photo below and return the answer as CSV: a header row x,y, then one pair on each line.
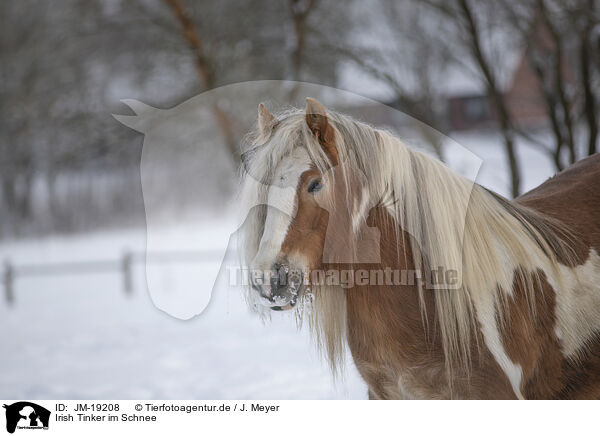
x,y
9,278
126,270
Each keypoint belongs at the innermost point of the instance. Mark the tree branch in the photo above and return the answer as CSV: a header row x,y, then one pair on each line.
x,y
205,71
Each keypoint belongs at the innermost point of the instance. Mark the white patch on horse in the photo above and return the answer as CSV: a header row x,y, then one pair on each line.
x,y
486,314
578,304
360,210
282,208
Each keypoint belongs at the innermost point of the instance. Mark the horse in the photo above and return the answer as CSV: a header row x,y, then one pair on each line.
x,y
516,314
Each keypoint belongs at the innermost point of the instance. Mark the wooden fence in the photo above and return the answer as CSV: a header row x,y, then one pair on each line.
x,y
122,265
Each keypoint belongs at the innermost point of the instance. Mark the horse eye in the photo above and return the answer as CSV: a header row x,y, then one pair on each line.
x,y
315,186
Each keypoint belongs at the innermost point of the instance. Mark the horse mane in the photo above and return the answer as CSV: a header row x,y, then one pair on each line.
x,y
456,224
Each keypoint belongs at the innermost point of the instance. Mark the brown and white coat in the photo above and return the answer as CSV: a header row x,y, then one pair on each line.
x,y
525,322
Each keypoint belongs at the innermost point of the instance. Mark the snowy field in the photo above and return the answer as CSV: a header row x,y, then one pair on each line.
x,y
82,337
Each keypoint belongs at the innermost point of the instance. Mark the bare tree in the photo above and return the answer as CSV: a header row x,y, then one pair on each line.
x,y
265,32
63,70
299,11
469,41
558,37
495,94
589,63
206,73
399,56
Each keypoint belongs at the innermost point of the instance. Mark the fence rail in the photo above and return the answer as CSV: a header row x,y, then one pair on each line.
x,y
122,265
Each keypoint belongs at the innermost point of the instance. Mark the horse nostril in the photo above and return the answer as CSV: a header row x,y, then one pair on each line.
x,y
256,285
279,278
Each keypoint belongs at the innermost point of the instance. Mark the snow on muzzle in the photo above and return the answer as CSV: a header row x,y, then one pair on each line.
x,y
279,287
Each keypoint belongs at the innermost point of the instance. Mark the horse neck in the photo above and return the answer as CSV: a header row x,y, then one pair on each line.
x,y
390,322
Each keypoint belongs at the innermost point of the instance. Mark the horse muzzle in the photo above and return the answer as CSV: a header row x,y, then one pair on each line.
x,y
280,288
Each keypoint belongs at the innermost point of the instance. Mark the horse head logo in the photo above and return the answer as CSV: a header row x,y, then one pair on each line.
x,y
178,143
27,415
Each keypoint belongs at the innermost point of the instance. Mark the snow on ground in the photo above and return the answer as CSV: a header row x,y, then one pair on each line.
x,y
82,337
536,166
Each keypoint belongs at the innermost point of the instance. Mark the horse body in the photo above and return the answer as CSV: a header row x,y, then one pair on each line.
x,y
573,198
399,356
524,320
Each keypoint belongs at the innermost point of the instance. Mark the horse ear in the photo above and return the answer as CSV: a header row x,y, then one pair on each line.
x,y
316,119
139,107
266,120
144,116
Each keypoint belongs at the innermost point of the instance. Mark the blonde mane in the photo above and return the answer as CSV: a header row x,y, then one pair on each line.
x,y
456,224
